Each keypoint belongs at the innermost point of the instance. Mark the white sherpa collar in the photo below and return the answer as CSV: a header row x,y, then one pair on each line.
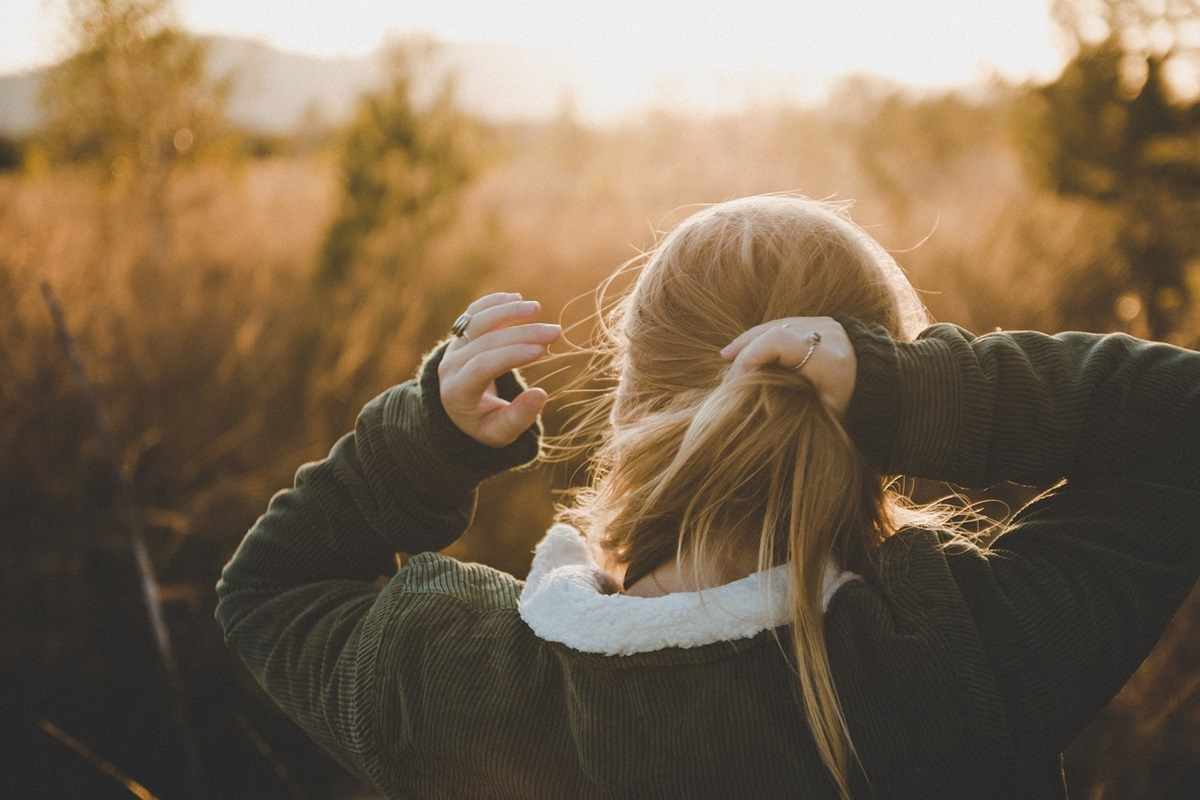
x,y
562,601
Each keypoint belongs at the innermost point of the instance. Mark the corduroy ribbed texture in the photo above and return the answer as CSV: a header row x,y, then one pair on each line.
x,y
961,674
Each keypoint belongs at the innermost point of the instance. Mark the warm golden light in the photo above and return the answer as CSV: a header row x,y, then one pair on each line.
x,y
228,227
625,54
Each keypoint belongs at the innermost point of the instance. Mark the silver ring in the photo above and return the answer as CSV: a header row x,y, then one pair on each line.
x,y
814,338
459,328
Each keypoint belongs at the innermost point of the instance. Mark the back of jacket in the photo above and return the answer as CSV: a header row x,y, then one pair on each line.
x,y
496,711
961,672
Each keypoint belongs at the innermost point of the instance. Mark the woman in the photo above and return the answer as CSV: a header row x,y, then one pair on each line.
x,y
740,603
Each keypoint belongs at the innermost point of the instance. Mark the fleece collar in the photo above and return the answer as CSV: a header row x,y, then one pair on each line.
x,y
562,601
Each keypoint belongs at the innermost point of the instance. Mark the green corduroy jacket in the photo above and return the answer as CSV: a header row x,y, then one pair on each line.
x,y
961,673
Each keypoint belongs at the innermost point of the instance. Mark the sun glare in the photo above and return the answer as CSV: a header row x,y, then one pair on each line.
x,y
627,53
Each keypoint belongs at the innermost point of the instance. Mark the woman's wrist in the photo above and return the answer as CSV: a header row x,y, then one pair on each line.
x,y
465,458
872,416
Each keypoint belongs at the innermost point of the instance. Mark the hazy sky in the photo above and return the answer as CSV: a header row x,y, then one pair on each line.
x,y
920,42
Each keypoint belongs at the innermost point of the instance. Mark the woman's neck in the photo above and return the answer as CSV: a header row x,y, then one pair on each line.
x,y
669,578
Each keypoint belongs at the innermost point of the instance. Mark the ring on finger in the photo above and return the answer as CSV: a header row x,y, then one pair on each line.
x,y
814,338
459,328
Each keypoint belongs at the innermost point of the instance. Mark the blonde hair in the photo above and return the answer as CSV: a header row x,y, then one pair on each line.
x,y
686,461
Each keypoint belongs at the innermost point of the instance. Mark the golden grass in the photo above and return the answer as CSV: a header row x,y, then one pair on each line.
x,y
222,368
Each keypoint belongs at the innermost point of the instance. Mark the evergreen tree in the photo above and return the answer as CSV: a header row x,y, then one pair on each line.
x,y
1114,129
404,165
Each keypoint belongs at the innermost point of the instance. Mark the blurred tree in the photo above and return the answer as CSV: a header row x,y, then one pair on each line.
x,y
569,139
386,281
134,100
313,130
404,165
11,156
1119,128
904,140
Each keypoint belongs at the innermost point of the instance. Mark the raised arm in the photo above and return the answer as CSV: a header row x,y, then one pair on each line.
x,y
1073,596
299,601
1025,406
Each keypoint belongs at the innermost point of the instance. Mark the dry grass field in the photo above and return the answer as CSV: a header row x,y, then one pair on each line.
x,y
222,364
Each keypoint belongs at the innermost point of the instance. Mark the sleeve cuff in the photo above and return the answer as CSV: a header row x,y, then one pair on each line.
x,y
873,414
460,462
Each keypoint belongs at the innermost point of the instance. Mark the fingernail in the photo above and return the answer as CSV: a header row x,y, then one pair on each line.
x,y
531,305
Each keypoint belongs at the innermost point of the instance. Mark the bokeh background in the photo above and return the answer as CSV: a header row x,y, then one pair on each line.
x,y
214,249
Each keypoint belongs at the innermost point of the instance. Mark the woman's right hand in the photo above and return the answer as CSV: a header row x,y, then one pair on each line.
x,y
833,365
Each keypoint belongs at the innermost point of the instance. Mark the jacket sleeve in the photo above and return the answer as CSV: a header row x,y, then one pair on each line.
x,y
299,601
1074,594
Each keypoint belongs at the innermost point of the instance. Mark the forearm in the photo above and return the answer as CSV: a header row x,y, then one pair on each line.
x,y
299,603
404,480
1025,406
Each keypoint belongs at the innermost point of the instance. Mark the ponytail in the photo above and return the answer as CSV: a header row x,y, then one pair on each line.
x,y
756,465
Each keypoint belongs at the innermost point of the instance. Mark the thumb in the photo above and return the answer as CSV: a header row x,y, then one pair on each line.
x,y
507,423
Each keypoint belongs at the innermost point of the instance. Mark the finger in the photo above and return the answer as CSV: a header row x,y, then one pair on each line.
x,y
483,317
481,304
774,345
791,324
489,300
501,314
531,333
505,424
469,383
745,337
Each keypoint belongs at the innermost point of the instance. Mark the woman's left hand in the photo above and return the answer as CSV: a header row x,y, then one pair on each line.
x,y
499,337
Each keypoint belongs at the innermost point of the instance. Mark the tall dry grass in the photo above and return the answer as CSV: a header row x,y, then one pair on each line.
x,y
222,367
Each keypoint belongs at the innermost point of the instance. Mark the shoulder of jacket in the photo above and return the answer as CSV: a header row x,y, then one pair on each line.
x,y
916,617
475,584
908,542
919,570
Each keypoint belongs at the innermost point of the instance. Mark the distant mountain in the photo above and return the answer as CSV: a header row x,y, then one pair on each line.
x,y
273,88
18,101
